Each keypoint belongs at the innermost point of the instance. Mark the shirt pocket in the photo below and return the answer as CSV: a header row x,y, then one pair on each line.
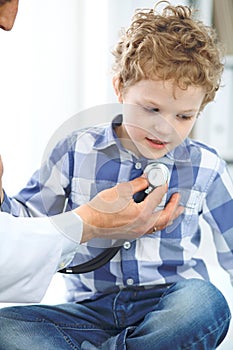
x,y
83,190
192,201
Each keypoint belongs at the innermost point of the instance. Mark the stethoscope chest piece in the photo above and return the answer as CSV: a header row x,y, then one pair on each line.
x,y
157,175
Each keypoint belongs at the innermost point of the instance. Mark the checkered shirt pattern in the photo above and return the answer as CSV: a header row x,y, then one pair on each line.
x,y
93,159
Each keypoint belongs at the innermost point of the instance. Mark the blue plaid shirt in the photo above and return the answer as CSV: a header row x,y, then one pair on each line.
x,y
93,159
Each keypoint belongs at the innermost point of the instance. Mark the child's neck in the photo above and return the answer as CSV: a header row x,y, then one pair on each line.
x,y
126,141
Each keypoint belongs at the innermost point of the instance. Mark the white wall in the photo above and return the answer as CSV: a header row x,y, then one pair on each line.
x,y
39,86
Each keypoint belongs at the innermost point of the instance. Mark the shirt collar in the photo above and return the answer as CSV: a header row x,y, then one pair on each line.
x,y
109,138
181,153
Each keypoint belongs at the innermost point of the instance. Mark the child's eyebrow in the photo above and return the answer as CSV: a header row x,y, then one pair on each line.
x,y
151,102
190,111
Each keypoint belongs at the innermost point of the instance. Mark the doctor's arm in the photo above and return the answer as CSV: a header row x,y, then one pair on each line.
x,y
33,249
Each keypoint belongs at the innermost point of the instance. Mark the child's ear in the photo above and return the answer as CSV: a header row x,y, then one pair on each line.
x,y
117,88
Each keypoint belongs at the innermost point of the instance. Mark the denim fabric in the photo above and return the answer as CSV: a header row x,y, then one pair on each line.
x,y
191,314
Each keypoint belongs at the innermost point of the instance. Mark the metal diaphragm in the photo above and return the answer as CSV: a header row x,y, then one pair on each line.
x,y
157,174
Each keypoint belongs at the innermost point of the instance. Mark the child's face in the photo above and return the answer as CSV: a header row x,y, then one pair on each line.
x,y
157,116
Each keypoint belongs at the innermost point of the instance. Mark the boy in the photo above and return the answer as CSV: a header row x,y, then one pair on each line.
x,y
41,240
153,293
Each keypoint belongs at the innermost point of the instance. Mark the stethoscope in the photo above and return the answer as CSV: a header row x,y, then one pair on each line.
x,y
157,175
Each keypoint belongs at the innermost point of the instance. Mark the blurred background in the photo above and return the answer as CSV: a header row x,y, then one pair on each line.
x,y
56,63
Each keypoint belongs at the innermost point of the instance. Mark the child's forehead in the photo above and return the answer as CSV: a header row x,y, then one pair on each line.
x,y
162,92
172,85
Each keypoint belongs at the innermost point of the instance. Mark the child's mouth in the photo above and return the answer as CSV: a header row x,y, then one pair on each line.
x,y
156,143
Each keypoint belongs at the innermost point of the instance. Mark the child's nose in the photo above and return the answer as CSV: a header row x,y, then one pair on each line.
x,y
163,125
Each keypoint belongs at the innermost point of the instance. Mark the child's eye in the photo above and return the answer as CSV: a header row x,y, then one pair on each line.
x,y
151,110
184,116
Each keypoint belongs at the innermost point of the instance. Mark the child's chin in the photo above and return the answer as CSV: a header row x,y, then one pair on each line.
x,y
155,154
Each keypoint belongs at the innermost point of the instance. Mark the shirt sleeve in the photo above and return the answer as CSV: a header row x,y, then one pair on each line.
x,y
47,191
32,250
218,212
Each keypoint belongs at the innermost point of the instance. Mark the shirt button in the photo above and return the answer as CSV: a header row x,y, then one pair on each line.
x,y
138,165
130,281
127,245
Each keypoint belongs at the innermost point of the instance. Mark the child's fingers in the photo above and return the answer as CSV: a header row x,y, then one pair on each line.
x,y
172,210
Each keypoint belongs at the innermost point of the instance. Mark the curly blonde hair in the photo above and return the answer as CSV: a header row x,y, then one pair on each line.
x,y
170,45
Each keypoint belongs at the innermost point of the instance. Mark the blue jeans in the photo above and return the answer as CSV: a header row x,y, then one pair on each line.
x,y
190,314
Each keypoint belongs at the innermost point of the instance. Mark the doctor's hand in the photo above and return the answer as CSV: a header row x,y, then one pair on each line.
x,y
1,173
114,214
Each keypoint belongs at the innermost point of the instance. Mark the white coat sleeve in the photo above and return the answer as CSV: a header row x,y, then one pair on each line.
x,y
32,250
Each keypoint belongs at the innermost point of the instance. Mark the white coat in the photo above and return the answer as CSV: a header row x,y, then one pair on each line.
x,y
32,250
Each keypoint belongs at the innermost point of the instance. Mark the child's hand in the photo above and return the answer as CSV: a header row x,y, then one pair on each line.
x,y
114,214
